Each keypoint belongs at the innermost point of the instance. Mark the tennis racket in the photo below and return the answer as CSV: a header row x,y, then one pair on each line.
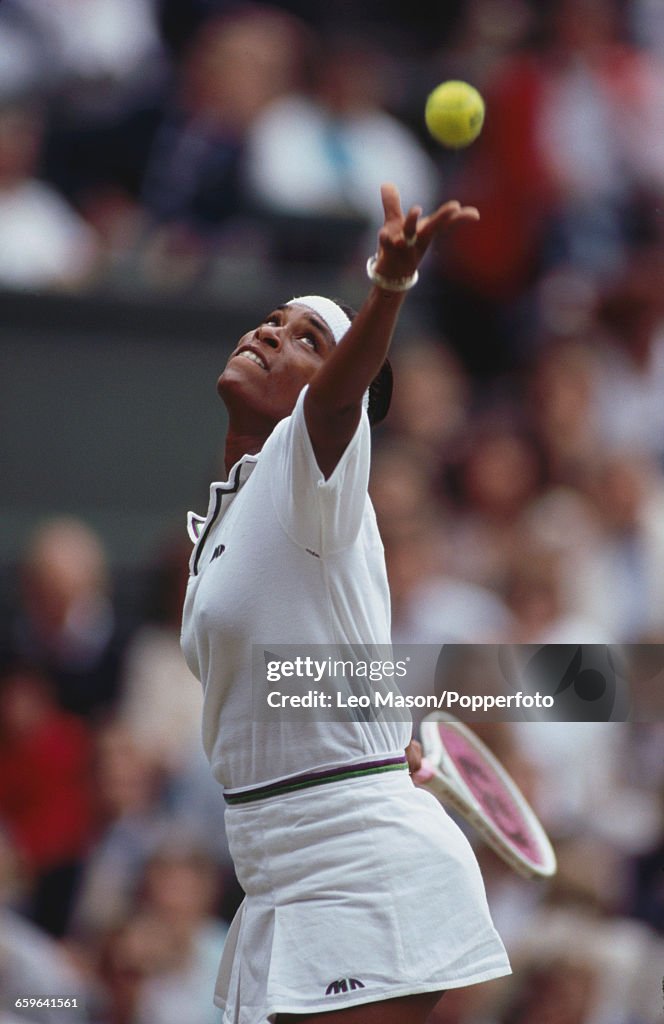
x,y
460,770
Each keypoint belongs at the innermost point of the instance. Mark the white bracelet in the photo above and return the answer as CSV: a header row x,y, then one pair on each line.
x,y
390,284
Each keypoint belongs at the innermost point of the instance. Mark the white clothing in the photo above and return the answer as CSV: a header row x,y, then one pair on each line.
x,y
285,557
97,38
625,578
356,892
43,241
332,165
451,611
628,399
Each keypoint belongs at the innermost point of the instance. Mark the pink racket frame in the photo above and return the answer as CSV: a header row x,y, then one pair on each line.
x,y
463,772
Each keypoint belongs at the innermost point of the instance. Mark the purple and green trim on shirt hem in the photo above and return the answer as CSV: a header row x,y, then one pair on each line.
x,y
306,781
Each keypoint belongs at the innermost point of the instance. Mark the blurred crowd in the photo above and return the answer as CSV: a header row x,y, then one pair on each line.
x,y
156,145
116,885
144,143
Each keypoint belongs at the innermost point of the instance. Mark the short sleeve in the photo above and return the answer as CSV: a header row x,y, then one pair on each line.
x,y
322,515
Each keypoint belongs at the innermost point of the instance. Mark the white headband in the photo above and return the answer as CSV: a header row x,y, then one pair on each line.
x,y
334,317
329,311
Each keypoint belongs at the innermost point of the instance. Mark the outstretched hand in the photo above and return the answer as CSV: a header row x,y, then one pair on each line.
x,y
333,402
404,238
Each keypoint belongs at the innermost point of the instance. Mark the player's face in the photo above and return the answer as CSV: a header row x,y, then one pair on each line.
x,y
270,365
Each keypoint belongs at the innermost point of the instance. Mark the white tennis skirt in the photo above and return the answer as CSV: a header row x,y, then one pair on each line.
x,y
356,891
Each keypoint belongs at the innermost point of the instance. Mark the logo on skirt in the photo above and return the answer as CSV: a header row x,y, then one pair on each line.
x,y
335,988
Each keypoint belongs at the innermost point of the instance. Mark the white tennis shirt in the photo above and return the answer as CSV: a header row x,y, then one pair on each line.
x,y
285,557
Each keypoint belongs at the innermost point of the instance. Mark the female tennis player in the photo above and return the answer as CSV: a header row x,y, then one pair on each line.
x,y
364,901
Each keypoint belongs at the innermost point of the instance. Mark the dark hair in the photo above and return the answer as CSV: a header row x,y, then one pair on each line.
x,y
380,389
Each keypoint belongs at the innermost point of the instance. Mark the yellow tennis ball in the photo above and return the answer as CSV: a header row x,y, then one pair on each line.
x,y
454,114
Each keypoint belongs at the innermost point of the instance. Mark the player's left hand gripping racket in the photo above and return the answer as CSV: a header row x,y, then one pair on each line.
x,y
460,770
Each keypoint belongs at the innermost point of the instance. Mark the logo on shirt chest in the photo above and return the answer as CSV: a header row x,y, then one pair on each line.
x,y
219,550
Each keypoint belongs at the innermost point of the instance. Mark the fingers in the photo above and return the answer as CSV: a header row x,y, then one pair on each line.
x,y
413,223
400,233
414,756
450,213
391,199
410,224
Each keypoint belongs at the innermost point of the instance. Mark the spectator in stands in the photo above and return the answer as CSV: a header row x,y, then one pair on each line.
x,y
31,962
580,965
233,67
24,65
129,954
485,33
180,887
400,487
44,791
626,570
341,143
629,377
561,396
540,600
98,50
129,818
567,171
162,702
44,243
498,471
431,606
430,403
560,991
161,705
66,622
157,963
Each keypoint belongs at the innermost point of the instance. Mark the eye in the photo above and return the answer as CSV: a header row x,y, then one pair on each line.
x,y
309,341
272,320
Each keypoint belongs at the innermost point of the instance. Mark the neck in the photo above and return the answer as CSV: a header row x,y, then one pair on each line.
x,y
248,431
238,444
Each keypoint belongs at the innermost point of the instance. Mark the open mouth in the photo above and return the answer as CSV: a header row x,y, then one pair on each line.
x,y
254,357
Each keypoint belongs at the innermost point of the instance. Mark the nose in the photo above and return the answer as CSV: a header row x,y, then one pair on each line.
x,y
270,334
